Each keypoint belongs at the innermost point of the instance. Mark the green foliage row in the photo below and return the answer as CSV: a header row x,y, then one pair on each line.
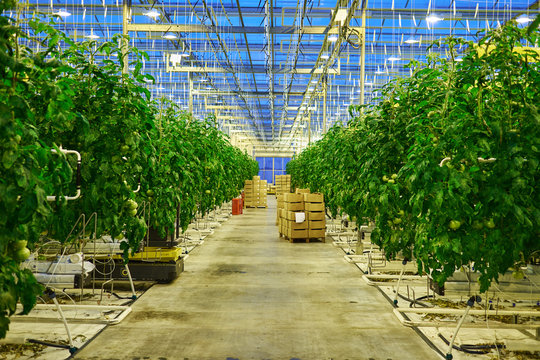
x,y
386,164
74,95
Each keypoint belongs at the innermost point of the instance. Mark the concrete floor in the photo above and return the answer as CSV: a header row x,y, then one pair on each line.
x,y
247,294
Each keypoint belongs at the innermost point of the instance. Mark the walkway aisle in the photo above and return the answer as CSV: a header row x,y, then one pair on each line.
x,y
248,294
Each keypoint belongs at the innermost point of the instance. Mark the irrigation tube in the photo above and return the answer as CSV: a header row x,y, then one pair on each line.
x,y
133,294
399,281
470,304
79,161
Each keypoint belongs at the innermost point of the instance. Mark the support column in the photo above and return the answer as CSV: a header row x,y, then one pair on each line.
x,y
190,104
325,86
126,6
363,56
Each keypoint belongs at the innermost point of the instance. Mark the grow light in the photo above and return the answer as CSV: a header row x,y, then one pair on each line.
x,y
459,59
394,58
169,36
411,41
314,81
92,36
368,84
62,13
152,14
432,18
203,79
332,38
524,19
325,56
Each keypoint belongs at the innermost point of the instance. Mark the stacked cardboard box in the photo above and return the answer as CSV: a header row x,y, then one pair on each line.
x,y
283,184
293,217
255,192
301,191
314,207
301,216
280,205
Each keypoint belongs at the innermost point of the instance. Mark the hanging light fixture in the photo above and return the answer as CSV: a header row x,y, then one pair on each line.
x,y
169,36
152,14
432,18
332,38
523,19
92,36
62,13
394,58
411,41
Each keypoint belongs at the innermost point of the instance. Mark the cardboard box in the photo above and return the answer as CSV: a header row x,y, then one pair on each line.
x,y
315,215
256,178
248,182
314,206
316,224
314,198
291,215
293,198
302,191
291,224
294,206
319,233
297,234
280,197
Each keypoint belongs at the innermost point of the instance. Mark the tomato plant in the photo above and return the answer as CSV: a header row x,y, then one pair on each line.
x,y
416,162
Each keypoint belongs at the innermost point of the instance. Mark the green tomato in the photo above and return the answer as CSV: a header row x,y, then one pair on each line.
x,y
391,181
22,254
401,213
490,224
394,176
477,225
132,212
17,138
397,221
150,193
124,149
208,192
19,244
131,204
385,178
455,224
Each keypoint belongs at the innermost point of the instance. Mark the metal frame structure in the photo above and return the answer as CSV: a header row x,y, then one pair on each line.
x,y
277,74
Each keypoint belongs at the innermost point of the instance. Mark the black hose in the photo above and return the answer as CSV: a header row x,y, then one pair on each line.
x,y
412,301
61,346
470,349
118,296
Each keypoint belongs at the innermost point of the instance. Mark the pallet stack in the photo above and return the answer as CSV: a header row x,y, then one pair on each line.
x,y
255,192
283,184
314,207
301,216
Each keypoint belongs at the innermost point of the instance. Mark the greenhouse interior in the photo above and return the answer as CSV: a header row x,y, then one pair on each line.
x,y
232,179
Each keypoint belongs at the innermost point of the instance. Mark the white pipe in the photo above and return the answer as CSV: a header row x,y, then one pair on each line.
x,y
451,342
59,309
138,188
472,325
79,160
134,295
480,160
398,283
472,312
82,306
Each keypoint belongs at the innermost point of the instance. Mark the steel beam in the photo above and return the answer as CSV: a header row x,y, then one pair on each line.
x,y
277,30
257,70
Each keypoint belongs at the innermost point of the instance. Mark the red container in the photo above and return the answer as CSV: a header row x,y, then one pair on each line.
x,y
237,206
